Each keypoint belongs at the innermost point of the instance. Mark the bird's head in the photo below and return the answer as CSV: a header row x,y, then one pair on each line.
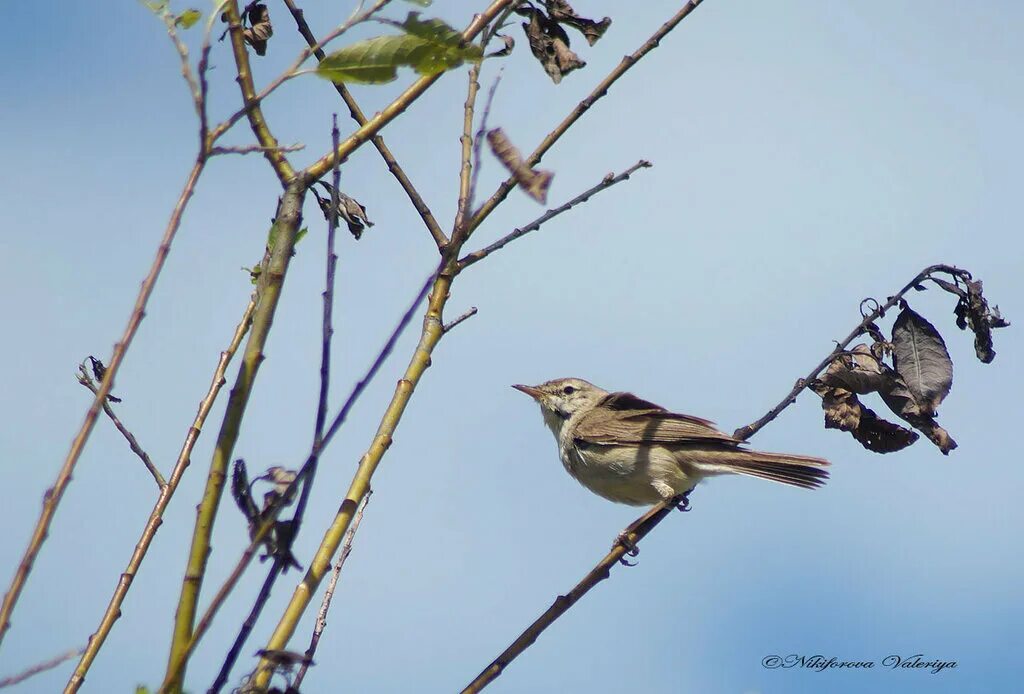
x,y
561,398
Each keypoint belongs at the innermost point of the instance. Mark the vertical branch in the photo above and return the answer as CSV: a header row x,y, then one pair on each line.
x,y
257,122
53,495
466,162
268,293
309,469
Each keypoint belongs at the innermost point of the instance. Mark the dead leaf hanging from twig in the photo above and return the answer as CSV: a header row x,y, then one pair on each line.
x,y
533,182
844,411
549,43
921,359
349,210
561,11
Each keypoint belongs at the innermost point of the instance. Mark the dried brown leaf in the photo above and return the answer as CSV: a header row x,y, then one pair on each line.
x,y
921,359
549,43
973,311
844,411
561,11
260,30
533,182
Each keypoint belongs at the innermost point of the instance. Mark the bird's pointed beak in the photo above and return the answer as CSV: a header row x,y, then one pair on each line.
x,y
534,393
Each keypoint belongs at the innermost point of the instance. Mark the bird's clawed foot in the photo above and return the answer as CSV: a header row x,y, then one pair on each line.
x,y
631,549
682,502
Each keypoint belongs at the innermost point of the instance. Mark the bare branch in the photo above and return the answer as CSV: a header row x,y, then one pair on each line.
x,y
606,182
53,496
40,667
357,115
86,380
113,611
464,317
318,429
254,149
332,584
175,669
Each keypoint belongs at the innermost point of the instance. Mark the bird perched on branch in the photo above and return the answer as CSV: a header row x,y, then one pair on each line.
x,y
632,451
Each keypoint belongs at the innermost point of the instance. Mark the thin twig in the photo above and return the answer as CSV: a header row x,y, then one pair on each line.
x,y
174,671
113,611
465,316
40,667
86,380
606,182
254,149
465,202
332,584
52,497
357,115
582,107
643,525
478,139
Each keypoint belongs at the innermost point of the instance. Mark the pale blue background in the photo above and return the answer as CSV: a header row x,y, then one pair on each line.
x,y
807,154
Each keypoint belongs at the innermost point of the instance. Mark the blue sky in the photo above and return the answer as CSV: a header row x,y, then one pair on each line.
x,y
806,155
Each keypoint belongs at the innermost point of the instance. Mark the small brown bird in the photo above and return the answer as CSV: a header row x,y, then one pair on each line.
x,y
632,451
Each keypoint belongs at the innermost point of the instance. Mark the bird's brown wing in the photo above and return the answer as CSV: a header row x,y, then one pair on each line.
x,y
623,418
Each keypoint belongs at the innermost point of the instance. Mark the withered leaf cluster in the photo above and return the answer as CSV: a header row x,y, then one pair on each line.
x,y
533,182
919,378
349,210
279,542
549,41
972,311
256,29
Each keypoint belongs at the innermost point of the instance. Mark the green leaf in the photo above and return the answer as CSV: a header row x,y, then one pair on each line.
x,y
300,233
188,18
156,6
428,47
421,3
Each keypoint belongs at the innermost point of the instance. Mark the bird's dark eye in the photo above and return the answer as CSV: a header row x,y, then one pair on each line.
x,y
568,390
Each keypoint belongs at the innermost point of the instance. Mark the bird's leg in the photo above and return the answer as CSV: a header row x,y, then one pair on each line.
x,y
622,540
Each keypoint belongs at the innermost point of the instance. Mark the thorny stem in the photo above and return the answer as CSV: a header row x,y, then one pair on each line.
x,y
607,182
53,495
357,115
643,525
582,107
133,443
332,584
